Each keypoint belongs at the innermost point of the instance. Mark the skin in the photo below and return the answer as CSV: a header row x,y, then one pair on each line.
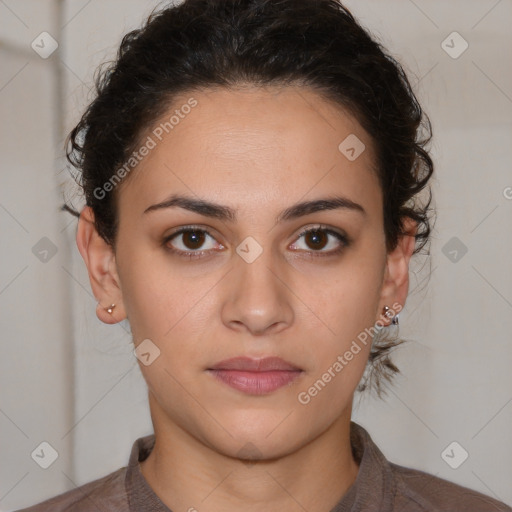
x,y
257,151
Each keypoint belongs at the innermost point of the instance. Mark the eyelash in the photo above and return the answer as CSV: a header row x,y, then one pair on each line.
x,y
345,242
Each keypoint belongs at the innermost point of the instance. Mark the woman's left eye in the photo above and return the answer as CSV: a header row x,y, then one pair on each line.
x,y
319,241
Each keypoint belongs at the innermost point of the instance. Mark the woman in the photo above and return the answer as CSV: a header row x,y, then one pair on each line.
x,y
252,172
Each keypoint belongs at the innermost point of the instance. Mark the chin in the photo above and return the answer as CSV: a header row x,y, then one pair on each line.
x,y
257,437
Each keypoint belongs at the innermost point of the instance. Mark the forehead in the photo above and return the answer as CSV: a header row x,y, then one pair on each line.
x,y
250,145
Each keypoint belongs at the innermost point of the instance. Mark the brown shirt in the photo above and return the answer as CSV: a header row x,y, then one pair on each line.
x,y
381,486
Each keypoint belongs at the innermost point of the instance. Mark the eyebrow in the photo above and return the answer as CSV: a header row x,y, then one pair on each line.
x,y
225,213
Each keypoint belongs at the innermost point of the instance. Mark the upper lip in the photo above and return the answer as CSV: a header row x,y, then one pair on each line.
x,y
255,365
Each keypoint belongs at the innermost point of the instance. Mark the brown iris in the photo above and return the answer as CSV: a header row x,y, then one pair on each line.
x,y
318,237
194,238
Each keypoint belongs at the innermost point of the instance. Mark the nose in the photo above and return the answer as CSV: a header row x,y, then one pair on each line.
x,y
257,297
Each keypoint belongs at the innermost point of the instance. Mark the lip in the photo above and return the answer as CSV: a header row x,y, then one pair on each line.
x,y
250,364
255,376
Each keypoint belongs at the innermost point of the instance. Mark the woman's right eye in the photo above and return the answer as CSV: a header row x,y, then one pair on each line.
x,y
187,241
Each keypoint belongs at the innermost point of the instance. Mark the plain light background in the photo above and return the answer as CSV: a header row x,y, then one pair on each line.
x,y
73,382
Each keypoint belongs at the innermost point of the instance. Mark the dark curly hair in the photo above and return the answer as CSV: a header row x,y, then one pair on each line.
x,y
201,44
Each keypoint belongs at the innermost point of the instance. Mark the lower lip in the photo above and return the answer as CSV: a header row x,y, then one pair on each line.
x,y
256,383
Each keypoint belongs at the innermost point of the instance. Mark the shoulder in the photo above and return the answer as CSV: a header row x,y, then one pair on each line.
x,y
432,493
106,493
393,487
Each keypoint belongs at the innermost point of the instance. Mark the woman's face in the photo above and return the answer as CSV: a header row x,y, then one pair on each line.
x,y
248,284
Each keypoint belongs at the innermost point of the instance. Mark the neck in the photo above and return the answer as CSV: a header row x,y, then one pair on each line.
x,y
186,474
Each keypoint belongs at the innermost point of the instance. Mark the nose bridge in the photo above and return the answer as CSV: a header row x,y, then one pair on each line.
x,y
259,299
256,267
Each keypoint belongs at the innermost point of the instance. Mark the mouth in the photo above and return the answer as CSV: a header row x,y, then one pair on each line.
x,y
255,376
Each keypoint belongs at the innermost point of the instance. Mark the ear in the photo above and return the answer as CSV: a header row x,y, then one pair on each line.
x,y
100,260
395,285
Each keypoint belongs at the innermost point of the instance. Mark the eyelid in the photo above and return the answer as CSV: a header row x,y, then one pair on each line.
x,y
327,229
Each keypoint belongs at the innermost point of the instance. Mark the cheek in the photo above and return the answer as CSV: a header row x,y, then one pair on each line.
x,y
344,303
160,299
342,344
345,298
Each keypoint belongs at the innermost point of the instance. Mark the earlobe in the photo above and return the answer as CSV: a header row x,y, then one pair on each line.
x,y
99,258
